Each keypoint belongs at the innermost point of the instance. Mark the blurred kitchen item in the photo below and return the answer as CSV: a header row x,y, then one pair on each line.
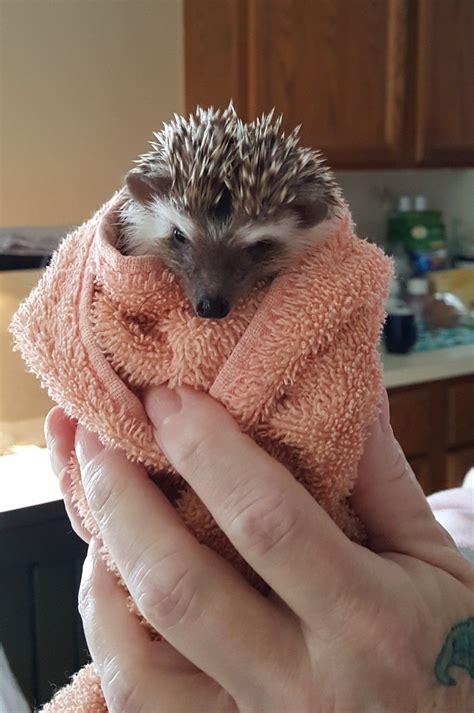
x,y
28,248
444,338
395,302
443,310
421,204
416,293
400,331
464,263
462,246
458,282
394,293
404,204
401,263
422,234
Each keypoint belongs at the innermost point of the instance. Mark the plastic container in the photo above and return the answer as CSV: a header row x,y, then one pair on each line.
x,y
404,204
421,204
401,263
400,330
416,296
423,237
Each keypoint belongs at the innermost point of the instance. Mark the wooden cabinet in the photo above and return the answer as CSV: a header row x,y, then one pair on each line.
x,y
422,471
338,68
373,82
215,53
445,83
434,424
460,413
408,409
458,463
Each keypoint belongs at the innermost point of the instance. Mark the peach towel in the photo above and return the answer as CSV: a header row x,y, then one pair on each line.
x,y
296,364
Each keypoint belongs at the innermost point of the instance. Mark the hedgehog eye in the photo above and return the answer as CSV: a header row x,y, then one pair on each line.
x,y
179,236
260,249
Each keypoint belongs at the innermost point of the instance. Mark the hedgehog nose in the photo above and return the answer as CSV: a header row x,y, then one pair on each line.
x,y
212,307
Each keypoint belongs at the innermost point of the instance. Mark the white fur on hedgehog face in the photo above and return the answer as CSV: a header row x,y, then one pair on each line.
x,y
146,226
215,259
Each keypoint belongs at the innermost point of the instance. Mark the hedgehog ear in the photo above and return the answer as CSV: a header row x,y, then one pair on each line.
x,y
143,187
310,210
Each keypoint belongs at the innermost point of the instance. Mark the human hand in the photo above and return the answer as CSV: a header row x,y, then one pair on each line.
x,y
349,629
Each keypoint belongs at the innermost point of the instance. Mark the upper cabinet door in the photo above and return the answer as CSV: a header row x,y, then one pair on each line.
x,y
445,79
215,54
373,82
339,68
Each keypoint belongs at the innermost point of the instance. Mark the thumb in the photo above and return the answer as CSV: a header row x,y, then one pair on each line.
x,y
388,498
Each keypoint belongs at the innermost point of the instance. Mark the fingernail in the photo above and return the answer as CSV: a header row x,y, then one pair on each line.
x,y
160,403
87,445
384,417
56,462
47,433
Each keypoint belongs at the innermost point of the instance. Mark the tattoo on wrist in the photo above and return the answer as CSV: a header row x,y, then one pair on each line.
x,y
458,650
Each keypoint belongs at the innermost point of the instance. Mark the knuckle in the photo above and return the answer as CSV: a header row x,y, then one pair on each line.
x,y
341,618
190,453
263,522
123,692
167,602
399,467
102,495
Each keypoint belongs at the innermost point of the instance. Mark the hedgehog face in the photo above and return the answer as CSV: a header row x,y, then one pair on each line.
x,y
225,204
218,259
216,273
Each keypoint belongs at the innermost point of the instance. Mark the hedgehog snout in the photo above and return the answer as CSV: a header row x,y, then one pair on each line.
x,y
212,307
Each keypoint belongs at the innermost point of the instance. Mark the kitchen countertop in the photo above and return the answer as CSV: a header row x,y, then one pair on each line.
x,y
417,368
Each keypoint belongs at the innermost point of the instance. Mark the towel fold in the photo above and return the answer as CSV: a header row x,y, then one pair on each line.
x,y
296,364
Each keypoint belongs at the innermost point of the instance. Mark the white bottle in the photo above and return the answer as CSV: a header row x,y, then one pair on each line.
x,y
417,290
404,204
421,203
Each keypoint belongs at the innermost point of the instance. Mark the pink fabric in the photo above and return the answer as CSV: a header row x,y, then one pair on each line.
x,y
296,364
82,695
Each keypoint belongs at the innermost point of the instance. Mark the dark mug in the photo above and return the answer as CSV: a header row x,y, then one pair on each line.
x,y
399,331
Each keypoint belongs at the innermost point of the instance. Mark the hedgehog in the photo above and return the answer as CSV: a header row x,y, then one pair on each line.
x,y
226,204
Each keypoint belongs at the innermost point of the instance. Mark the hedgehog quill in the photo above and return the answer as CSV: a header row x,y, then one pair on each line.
x,y
225,204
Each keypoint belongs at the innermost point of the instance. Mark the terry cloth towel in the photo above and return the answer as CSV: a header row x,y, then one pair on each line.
x,y
296,364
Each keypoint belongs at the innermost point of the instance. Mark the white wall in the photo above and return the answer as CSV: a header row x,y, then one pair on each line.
x,y
372,194
83,83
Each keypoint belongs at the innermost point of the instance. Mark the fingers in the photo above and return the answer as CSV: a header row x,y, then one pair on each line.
x,y
73,515
60,432
272,521
187,592
388,498
136,673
